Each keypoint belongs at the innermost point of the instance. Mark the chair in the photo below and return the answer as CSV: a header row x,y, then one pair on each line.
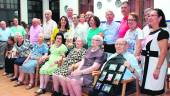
x,y
124,84
168,77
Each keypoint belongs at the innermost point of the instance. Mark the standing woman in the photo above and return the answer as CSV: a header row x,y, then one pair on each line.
x,y
94,23
154,51
133,33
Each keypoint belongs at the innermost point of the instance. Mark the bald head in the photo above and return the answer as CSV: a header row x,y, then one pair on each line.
x,y
35,22
121,45
3,25
88,15
48,14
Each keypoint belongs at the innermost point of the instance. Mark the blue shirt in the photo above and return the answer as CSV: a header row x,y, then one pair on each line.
x,y
4,34
39,50
110,32
133,62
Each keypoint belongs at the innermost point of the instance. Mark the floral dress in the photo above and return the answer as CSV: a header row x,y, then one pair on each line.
x,y
73,57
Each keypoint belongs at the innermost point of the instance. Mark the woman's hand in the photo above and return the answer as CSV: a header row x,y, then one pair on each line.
x,y
96,73
76,73
156,73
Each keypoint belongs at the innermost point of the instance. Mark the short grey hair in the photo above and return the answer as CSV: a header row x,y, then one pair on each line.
x,y
98,37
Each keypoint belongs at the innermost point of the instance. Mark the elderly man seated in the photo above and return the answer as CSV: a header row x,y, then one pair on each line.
x,y
119,66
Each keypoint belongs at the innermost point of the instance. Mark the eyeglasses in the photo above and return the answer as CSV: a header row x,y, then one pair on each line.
x,y
95,40
152,15
131,20
120,44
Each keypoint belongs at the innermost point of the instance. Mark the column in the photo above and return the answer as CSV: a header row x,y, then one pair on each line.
x,y
24,10
45,7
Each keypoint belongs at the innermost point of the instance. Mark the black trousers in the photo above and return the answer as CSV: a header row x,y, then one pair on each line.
x,y
110,48
9,65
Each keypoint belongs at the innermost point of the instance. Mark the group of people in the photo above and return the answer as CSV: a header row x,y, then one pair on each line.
x,y
76,47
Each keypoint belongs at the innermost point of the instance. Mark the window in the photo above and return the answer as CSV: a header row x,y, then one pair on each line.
x,y
85,5
54,7
9,9
34,10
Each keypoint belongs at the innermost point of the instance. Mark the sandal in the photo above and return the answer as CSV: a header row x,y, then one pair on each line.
x,y
30,86
18,84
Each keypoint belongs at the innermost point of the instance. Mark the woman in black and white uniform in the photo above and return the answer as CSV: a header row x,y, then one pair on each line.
x,y
154,51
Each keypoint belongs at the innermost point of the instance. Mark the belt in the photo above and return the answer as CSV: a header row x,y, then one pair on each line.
x,y
149,53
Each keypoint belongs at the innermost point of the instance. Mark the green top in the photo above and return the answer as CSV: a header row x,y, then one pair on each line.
x,y
18,29
90,35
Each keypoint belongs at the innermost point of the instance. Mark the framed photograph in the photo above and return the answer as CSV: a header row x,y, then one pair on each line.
x,y
112,67
106,88
117,77
122,68
109,77
98,85
103,75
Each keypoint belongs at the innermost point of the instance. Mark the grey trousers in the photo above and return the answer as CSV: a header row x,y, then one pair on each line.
x,y
2,51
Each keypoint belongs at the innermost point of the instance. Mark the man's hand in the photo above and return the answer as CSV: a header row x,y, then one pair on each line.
x,y
127,64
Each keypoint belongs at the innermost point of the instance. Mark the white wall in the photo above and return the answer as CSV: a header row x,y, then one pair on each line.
x,y
24,11
164,5
71,3
107,5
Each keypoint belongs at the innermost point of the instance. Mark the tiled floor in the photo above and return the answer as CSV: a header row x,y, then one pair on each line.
x,y
7,89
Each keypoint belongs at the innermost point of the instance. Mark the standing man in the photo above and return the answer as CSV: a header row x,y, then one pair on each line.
x,y
4,34
70,15
110,31
123,23
88,15
48,26
34,31
17,29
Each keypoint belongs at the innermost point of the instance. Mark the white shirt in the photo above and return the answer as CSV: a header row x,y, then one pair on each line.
x,y
48,28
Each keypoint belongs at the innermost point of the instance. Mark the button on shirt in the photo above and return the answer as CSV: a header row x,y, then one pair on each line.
x,y
123,27
48,28
4,34
18,29
110,32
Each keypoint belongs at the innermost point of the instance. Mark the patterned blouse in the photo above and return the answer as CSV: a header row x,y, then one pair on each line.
x,y
24,49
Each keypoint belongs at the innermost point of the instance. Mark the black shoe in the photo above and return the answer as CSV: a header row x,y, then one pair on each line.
x,y
56,94
14,79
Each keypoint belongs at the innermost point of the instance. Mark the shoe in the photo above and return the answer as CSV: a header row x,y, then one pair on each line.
x,y
4,74
18,84
30,86
9,75
40,91
14,79
56,94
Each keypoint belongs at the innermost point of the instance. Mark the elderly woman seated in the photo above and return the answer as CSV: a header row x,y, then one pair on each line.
x,y
29,64
92,60
57,51
23,48
59,77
